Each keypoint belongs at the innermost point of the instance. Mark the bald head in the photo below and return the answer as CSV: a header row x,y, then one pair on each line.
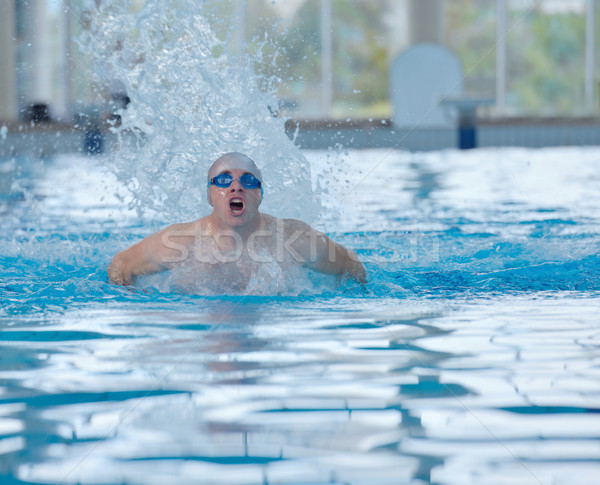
x,y
232,161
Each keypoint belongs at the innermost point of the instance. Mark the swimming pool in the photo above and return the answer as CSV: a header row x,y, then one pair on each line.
x,y
471,357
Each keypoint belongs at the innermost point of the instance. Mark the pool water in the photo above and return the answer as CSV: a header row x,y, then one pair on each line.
x,y
472,356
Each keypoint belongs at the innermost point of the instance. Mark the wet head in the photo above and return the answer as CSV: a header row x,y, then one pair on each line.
x,y
234,189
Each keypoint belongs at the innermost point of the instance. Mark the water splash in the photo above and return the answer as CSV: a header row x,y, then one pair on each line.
x,y
191,101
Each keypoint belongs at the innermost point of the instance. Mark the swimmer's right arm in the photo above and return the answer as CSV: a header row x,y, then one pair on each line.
x,y
153,254
137,260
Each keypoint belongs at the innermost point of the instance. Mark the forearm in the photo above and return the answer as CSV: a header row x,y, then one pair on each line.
x,y
341,261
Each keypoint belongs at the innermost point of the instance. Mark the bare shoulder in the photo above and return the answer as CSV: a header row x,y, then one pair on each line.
x,y
167,243
289,227
296,225
183,229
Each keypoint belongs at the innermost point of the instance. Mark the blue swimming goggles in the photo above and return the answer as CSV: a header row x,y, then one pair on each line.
x,y
224,180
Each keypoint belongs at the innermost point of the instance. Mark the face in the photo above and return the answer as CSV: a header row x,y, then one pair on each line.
x,y
235,206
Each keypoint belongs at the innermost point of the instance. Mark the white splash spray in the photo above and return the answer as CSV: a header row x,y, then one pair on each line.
x,y
191,100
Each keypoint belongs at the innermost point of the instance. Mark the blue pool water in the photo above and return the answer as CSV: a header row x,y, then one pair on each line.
x,y
472,356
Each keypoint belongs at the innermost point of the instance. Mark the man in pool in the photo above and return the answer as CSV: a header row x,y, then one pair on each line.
x,y
235,239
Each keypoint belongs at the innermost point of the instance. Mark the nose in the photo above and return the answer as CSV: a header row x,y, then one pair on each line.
x,y
236,185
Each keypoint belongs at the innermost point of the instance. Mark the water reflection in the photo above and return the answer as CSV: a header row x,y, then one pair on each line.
x,y
272,391
425,181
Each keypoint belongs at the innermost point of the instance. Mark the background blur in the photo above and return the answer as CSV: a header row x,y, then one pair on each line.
x,y
332,58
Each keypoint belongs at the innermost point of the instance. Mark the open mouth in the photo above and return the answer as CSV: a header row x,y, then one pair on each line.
x,y
236,205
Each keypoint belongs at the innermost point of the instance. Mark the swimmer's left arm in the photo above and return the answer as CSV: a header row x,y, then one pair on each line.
x,y
320,253
336,259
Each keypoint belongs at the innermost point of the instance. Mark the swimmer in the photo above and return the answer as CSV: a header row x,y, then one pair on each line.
x,y
235,231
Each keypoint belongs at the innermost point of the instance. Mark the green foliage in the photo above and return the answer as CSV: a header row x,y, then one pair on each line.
x,y
360,52
546,69
471,34
544,56
360,56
